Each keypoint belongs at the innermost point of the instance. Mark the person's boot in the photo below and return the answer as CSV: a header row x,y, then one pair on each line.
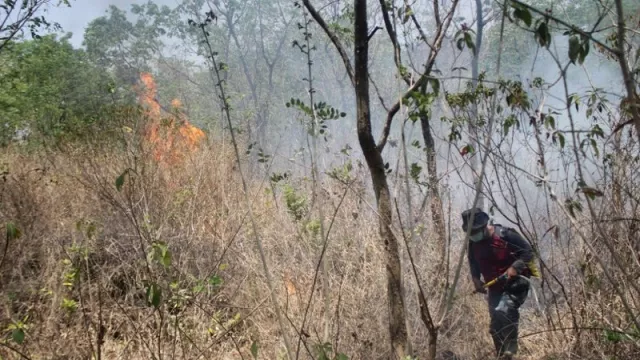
x,y
507,355
510,349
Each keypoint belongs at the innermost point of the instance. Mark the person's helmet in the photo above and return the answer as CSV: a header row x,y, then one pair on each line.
x,y
480,221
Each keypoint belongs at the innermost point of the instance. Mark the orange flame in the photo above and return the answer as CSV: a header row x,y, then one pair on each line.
x,y
169,146
148,95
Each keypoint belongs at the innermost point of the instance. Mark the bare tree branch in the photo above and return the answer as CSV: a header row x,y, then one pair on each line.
x,y
394,40
334,39
426,75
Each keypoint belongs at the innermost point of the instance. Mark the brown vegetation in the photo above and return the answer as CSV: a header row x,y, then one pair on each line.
x,y
88,251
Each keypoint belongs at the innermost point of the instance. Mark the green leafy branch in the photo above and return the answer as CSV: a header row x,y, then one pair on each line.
x,y
323,112
578,39
464,37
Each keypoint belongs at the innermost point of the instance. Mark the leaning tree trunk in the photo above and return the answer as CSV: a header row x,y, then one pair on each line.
x,y
397,322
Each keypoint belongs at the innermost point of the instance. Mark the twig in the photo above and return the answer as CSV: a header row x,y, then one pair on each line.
x,y
22,355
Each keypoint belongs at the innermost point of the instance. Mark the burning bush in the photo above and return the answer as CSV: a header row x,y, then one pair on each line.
x,y
169,134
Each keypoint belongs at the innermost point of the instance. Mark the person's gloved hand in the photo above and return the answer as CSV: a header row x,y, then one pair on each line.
x,y
479,286
512,272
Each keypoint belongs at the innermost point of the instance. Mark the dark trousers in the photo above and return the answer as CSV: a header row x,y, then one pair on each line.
x,y
505,319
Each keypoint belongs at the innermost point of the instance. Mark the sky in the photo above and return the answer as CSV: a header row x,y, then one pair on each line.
x,y
75,19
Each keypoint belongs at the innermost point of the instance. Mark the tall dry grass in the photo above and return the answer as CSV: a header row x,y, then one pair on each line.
x,y
77,276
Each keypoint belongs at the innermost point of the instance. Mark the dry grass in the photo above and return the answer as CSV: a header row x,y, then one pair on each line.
x,y
72,217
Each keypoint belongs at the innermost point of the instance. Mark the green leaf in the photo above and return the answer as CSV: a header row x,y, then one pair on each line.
x,y
594,145
415,172
154,295
584,51
524,15
469,41
591,192
613,336
509,122
165,258
407,15
561,139
160,253
542,35
572,206
342,356
550,122
120,180
254,350
18,335
435,85
597,131
538,82
574,48
12,231
215,280
198,288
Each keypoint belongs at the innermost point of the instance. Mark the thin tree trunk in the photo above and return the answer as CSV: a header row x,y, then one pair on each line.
x,y
437,213
432,345
472,124
411,224
397,321
315,176
616,175
632,97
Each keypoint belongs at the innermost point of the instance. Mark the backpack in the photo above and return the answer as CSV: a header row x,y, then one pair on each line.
x,y
501,231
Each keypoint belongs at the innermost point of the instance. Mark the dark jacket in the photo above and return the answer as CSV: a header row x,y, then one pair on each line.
x,y
492,257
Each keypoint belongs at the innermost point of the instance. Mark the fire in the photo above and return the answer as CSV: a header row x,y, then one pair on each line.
x,y
148,95
167,145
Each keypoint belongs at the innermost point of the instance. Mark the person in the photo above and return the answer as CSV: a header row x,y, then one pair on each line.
x,y
498,252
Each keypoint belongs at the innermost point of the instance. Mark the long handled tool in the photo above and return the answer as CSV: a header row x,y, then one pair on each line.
x,y
492,282
532,267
